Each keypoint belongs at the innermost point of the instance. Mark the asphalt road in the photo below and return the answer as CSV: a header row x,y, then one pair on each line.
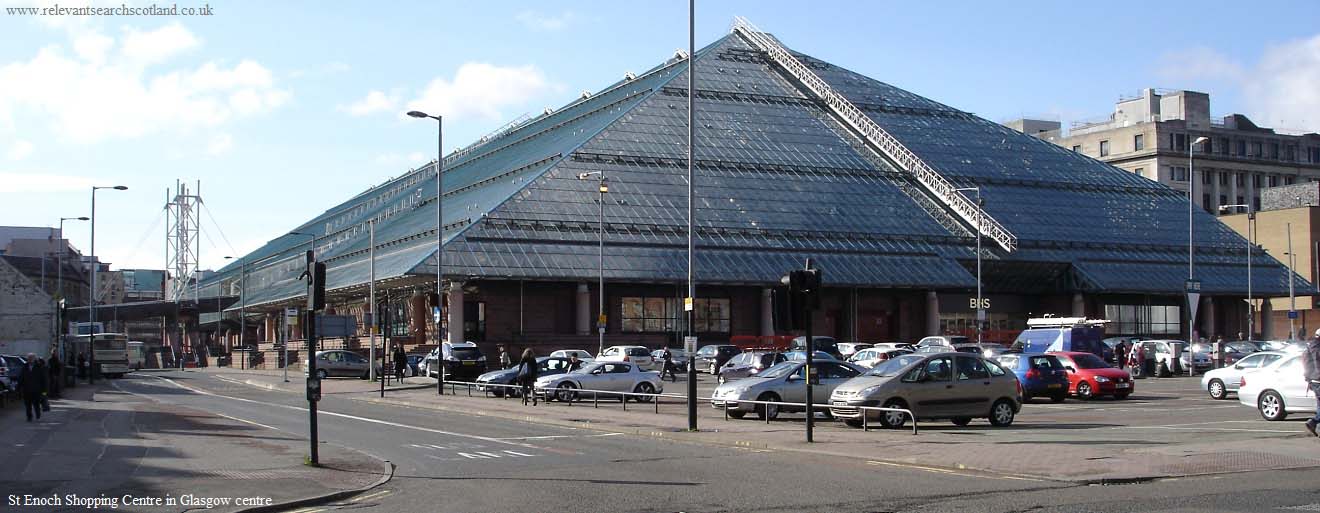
x,y
468,463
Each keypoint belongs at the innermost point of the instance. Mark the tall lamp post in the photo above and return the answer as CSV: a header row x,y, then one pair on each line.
x,y
600,286
242,309
59,289
1251,241
91,310
1191,182
439,242
980,220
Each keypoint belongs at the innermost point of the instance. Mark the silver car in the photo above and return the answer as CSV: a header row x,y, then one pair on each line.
x,y
603,376
749,363
956,386
339,363
785,382
1221,382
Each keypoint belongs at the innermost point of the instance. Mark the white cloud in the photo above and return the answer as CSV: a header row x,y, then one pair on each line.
x,y
220,144
87,100
42,182
157,45
375,101
480,90
546,22
1280,90
19,150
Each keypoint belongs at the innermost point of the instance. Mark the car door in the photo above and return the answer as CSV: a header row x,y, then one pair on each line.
x,y
971,392
1289,381
620,376
1252,362
832,375
330,361
929,386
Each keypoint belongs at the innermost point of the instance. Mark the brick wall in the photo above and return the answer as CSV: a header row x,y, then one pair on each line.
x,y
26,313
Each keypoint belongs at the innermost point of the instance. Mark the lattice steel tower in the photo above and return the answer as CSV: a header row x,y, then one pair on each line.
x,y
183,242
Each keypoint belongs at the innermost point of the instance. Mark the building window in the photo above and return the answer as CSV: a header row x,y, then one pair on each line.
x,y
1143,320
1256,202
1205,202
1314,153
1141,171
1255,180
1255,149
1179,141
663,315
1104,148
1209,145
1207,177
1289,180
1274,180
1223,199
1290,153
1241,148
1077,148
1240,202
1139,142
1179,174
1223,146
1274,150
1223,178
398,317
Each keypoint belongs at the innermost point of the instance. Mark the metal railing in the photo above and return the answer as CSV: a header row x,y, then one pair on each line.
x,y
924,174
654,399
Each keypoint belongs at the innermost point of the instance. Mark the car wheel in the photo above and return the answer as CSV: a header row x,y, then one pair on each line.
x,y
644,388
1058,398
962,421
322,374
723,380
1271,406
1084,391
767,411
1001,414
737,414
1217,390
894,419
567,392
853,422
713,370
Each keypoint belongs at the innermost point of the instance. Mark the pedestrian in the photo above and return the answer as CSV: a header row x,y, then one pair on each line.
x,y
32,384
668,366
505,360
1241,337
527,368
400,363
574,363
56,374
1311,371
82,366
1120,353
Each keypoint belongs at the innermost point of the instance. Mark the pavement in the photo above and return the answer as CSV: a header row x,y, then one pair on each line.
x,y
1169,428
102,444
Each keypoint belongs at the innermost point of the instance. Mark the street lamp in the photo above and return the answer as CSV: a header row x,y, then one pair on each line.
x,y
242,310
1251,241
91,310
600,287
1191,182
59,288
980,219
439,241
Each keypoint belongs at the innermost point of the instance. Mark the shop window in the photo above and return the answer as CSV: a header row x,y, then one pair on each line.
x,y
664,315
1143,320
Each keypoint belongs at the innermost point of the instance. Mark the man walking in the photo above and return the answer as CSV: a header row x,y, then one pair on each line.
x,y
1311,371
32,384
400,363
56,374
505,360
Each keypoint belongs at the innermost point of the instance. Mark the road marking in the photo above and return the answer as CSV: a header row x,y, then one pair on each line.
x,y
365,497
950,472
483,455
353,417
553,437
245,421
307,510
1225,430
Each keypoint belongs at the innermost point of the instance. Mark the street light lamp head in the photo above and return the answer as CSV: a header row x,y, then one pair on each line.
x,y
84,218
121,187
418,114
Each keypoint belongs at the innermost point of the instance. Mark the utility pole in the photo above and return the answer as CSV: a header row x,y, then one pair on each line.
x,y
689,304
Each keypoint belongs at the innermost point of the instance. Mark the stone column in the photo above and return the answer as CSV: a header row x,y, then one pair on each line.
x,y
1266,323
1078,305
583,309
767,312
456,311
932,313
1208,319
421,317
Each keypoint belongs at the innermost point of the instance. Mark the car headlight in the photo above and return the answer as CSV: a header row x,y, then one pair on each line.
x,y
1101,379
869,391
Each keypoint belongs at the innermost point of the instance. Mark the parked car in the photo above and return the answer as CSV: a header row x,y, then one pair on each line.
x,y
801,356
338,362
414,361
1066,334
1041,375
1278,389
943,340
847,349
601,375
714,356
749,363
826,344
782,383
870,357
954,386
889,346
678,355
463,361
1089,376
1236,351
582,355
1162,352
635,354
1221,382
10,367
1198,358
545,366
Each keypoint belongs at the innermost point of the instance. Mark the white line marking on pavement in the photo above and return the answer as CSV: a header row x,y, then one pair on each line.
x,y
245,421
1181,428
552,437
947,471
353,417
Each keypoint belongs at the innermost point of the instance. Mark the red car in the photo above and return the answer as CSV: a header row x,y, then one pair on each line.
x,y
1089,376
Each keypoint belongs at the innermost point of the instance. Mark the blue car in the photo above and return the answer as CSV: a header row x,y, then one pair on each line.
x,y
1041,375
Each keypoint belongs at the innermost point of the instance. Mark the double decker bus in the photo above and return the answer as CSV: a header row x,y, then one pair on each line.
x,y
109,351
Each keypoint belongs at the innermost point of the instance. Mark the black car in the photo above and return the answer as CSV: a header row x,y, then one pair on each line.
x,y
825,344
714,356
546,366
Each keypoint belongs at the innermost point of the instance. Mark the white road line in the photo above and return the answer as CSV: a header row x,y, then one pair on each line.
x,y
1217,430
230,417
950,472
553,437
353,417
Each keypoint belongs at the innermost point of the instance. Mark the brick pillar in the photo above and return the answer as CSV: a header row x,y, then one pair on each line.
x,y
767,312
1208,318
1266,324
420,318
583,309
456,311
932,313
1078,305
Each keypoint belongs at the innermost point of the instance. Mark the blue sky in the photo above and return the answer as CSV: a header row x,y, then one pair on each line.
x,y
285,109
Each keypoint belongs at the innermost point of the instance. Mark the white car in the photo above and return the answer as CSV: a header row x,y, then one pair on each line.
x,y
1221,382
604,376
565,353
635,354
874,356
847,349
1277,390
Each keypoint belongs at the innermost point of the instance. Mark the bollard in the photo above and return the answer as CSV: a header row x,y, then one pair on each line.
x,y
767,413
726,410
656,398
624,399
595,399
865,426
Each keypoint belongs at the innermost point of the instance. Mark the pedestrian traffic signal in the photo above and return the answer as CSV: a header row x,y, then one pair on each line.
x,y
316,297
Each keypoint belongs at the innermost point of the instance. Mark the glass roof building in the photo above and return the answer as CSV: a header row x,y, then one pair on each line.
x,y
780,176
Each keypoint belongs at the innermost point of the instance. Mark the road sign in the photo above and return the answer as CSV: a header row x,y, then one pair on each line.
x,y
687,304
291,316
1192,286
600,319
1292,314
690,345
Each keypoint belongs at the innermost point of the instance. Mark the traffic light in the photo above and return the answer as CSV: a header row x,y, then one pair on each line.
x,y
796,298
316,297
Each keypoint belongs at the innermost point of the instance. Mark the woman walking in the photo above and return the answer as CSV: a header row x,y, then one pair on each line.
x,y
527,375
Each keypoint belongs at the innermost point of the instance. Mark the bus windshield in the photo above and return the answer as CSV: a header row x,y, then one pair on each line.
x,y
110,343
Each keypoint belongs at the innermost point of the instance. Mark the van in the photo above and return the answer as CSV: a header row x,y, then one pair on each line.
x,y
1062,334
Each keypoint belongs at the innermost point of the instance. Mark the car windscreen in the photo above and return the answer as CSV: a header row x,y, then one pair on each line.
x,y
465,353
1089,361
1046,362
102,344
893,366
637,351
779,370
